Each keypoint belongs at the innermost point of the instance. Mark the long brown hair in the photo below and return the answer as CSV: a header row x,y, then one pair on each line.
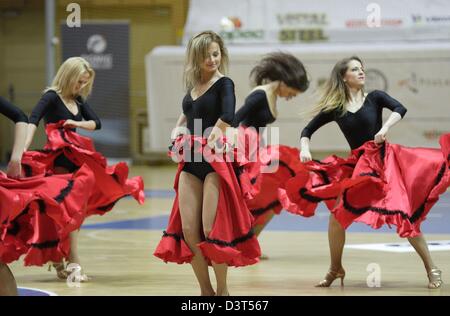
x,y
196,52
280,66
335,93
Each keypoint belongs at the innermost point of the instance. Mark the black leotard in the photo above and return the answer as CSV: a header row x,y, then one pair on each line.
x,y
361,126
255,112
52,108
218,102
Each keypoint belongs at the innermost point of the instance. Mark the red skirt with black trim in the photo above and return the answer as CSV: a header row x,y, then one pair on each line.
x,y
262,170
37,214
111,182
388,184
231,239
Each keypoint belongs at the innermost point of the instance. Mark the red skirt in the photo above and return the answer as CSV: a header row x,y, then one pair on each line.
x,y
111,182
377,185
262,171
231,240
37,214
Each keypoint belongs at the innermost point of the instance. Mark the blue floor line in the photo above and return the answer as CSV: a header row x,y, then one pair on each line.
x,y
438,221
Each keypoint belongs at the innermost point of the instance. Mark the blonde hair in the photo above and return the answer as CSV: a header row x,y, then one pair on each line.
x,y
335,93
196,53
68,75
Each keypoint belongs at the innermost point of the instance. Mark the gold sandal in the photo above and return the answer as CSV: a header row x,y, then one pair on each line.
x,y
330,277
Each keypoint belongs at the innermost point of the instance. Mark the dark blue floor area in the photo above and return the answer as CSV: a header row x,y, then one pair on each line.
x,y
33,292
438,221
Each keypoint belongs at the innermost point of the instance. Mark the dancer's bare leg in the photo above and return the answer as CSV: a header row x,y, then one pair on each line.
x,y
211,189
336,240
434,274
190,191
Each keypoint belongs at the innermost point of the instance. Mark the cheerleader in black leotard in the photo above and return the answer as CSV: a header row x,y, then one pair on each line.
x,y
209,223
381,183
64,109
276,75
7,282
36,214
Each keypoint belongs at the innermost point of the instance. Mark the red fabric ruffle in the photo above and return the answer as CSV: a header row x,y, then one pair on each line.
x,y
39,213
231,239
262,171
388,184
111,182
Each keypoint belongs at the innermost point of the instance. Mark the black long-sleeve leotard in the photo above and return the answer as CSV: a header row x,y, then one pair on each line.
x,y
218,102
52,109
361,126
255,112
12,112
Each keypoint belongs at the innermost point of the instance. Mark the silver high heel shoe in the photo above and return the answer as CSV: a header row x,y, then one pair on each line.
x,y
435,279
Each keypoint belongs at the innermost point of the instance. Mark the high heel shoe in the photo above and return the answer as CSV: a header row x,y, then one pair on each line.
x,y
72,270
435,278
76,273
61,272
330,277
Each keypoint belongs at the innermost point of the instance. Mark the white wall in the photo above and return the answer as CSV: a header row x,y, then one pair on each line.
x,y
418,75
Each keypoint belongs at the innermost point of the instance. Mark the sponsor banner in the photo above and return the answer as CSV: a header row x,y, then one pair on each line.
x,y
106,47
287,21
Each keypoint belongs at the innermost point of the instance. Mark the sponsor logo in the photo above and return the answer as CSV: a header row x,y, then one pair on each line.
x,y
302,19
301,35
414,82
96,46
241,35
229,24
420,19
361,23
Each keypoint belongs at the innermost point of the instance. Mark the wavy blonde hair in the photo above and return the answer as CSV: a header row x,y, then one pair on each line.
x,y
196,53
68,75
335,93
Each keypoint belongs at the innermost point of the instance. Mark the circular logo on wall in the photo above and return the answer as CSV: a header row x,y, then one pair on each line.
x,y
96,44
375,80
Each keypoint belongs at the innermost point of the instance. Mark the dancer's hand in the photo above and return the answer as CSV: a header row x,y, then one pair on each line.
x,y
215,135
380,137
177,132
71,124
14,169
305,156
